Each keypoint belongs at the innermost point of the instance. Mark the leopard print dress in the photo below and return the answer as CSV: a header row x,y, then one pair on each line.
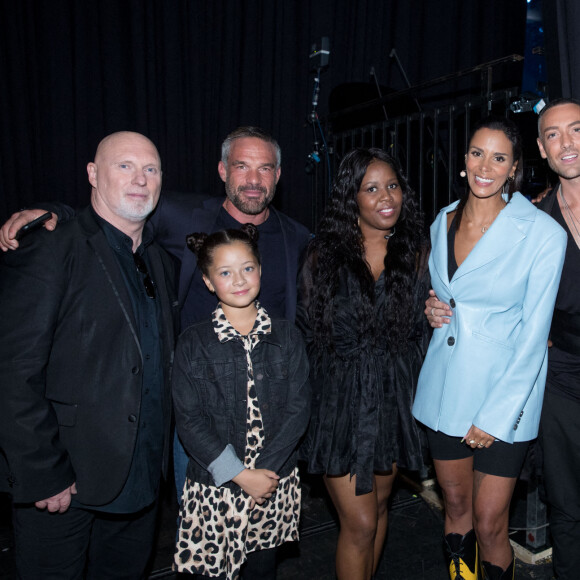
x,y
217,528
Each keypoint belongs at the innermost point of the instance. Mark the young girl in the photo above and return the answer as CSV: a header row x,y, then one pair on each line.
x,y
242,401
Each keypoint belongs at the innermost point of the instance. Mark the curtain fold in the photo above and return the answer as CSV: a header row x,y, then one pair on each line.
x,y
187,72
562,26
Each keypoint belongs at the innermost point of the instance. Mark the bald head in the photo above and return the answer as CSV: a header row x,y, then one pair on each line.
x,y
128,139
126,179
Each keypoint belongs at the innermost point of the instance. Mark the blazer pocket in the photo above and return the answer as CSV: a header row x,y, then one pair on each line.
x,y
493,341
66,414
493,357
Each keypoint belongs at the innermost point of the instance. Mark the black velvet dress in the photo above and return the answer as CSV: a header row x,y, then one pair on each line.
x,y
361,419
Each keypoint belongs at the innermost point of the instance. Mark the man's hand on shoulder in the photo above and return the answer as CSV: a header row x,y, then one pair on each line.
x,y
540,196
59,502
438,313
18,220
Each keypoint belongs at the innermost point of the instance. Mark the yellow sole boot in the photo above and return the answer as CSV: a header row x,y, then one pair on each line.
x,y
462,556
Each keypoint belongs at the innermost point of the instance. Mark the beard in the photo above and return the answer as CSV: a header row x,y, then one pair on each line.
x,y
564,172
249,206
135,211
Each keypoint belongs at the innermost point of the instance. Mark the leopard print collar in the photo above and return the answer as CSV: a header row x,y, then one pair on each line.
x,y
225,331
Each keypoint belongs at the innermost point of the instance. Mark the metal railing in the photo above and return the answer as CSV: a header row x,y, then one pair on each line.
x,y
430,145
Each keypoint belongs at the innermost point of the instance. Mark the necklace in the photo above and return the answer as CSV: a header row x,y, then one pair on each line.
x,y
387,236
485,226
572,217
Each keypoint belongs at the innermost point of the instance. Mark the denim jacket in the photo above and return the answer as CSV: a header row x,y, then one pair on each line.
x,y
210,391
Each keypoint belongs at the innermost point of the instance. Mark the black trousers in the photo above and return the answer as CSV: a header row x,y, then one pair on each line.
x,y
260,565
560,440
83,544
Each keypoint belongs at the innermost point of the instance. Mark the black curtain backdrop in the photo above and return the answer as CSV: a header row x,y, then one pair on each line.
x,y
187,72
562,27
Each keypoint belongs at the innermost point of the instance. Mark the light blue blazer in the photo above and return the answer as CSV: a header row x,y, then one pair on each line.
x,y
488,366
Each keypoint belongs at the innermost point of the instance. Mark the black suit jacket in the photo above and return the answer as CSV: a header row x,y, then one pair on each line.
x,y
180,214
70,363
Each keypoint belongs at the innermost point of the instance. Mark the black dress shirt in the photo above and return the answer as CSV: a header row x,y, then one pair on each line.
x,y
141,486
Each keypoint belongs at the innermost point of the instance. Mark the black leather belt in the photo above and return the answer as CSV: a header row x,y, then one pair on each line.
x,y
565,331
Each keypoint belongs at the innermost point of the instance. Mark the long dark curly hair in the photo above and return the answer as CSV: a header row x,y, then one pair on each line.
x,y
338,250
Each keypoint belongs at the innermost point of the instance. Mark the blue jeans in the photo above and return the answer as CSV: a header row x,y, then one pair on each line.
x,y
180,461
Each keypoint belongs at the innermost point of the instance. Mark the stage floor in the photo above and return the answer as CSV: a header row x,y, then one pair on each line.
x,y
412,550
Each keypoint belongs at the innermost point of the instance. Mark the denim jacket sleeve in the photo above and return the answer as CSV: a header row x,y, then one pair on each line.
x,y
196,426
226,466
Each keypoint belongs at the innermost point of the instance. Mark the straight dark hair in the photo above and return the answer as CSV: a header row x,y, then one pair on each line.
x,y
511,131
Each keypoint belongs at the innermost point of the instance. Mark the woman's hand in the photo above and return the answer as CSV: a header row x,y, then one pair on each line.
x,y
259,484
437,312
478,439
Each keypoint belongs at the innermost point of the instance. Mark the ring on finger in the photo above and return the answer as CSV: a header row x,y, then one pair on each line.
x,y
471,441
480,444
432,311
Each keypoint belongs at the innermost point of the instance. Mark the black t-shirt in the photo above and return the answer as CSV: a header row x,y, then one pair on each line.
x,y
451,261
563,367
200,302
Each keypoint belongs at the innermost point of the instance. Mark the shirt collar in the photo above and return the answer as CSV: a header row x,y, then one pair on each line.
x,y
119,241
225,331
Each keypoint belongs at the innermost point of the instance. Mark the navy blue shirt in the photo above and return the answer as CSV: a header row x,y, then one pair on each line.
x,y
200,302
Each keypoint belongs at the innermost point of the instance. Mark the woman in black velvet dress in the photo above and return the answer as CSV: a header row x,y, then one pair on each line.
x,y
363,289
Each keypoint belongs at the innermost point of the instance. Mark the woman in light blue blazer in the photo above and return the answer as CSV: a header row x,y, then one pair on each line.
x,y
496,261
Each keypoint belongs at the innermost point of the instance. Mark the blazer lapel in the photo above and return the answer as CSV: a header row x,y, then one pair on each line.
x,y
508,229
202,220
438,256
107,261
